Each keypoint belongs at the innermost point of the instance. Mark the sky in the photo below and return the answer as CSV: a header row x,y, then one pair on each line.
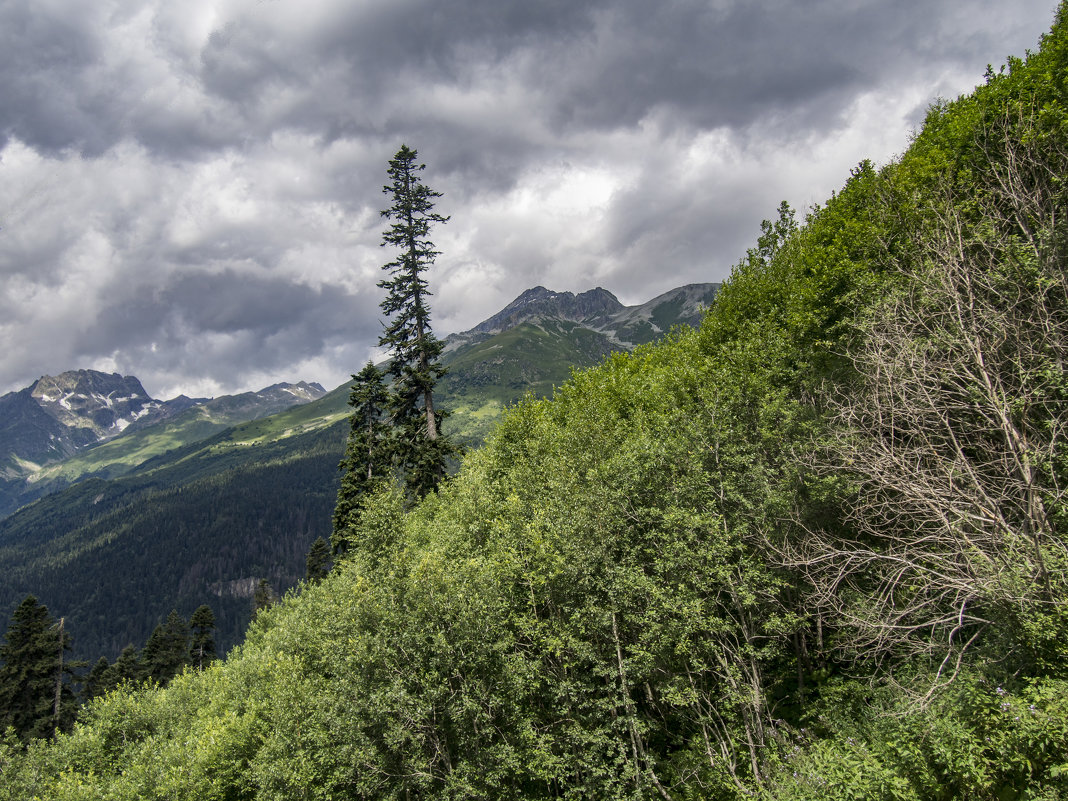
x,y
191,192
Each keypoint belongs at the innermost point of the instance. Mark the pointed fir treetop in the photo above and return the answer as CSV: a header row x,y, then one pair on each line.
x,y
127,668
413,203
96,684
317,563
367,397
202,637
167,649
408,333
264,597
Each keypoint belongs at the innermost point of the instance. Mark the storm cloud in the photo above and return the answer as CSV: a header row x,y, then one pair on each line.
x,y
190,193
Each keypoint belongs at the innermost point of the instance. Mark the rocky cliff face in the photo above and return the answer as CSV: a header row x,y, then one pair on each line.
x,y
94,406
684,305
29,435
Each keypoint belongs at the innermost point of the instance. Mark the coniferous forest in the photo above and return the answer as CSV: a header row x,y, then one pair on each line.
x,y
815,549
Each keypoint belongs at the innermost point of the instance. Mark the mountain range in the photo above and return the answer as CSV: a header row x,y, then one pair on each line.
x,y
598,310
56,416
84,422
533,343
152,506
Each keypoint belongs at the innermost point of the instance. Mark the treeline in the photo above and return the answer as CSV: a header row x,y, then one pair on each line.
x,y
816,549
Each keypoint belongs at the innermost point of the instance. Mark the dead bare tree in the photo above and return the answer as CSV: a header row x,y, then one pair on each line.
x,y
954,436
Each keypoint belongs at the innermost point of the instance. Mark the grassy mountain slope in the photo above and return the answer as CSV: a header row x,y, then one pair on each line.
x,y
486,376
623,595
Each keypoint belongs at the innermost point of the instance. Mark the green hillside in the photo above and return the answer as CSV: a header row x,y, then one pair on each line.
x,y
487,376
816,549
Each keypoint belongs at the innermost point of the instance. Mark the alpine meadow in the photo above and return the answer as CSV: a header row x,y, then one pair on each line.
x,y
815,549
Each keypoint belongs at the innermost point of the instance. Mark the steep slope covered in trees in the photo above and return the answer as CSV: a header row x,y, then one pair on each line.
x,y
815,549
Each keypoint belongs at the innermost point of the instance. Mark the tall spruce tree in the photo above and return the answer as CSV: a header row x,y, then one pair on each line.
x,y
367,456
36,698
420,449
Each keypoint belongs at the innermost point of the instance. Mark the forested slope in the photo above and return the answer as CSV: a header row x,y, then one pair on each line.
x,y
814,550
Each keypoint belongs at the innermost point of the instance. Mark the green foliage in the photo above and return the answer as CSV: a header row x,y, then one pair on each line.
x,y
979,740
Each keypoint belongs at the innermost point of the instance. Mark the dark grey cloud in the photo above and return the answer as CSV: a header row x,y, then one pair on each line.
x,y
213,324
84,80
190,192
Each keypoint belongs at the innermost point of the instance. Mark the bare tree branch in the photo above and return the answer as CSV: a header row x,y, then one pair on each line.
x,y
954,437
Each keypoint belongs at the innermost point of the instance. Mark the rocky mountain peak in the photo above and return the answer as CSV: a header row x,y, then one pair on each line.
x,y
97,405
540,303
81,385
302,390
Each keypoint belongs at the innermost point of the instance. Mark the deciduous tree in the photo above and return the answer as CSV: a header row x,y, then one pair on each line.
x,y
954,435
